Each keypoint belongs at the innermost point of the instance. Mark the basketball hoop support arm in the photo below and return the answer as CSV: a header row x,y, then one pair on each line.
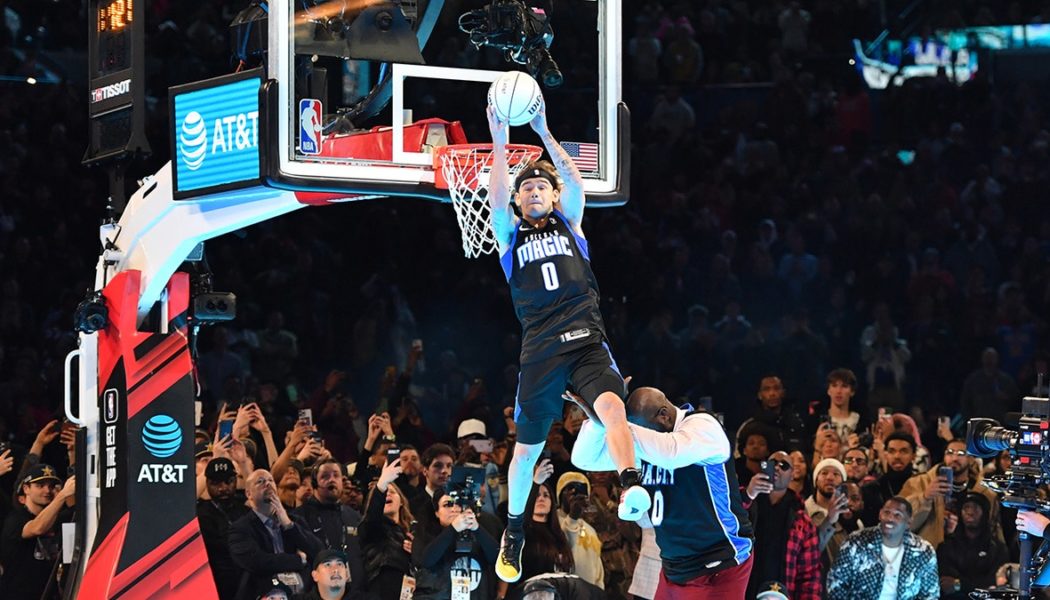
x,y
154,236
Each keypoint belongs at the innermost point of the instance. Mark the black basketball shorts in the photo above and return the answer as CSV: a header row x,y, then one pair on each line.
x,y
589,371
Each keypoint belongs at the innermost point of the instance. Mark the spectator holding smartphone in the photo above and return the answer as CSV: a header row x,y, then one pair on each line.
x,y
30,543
848,522
842,386
828,501
573,492
786,545
373,453
386,536
475,448
934,495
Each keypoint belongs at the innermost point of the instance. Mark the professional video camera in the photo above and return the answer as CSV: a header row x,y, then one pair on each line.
x,y
1029,448
464,487
523,33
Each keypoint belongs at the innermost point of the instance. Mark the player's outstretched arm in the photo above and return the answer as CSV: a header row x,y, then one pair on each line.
x,y
503,219
699,439
572,197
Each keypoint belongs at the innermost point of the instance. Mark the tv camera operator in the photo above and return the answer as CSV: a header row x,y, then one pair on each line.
x,y
454,551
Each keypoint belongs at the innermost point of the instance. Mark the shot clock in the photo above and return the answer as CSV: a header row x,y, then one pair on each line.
x,y
113,20
115,81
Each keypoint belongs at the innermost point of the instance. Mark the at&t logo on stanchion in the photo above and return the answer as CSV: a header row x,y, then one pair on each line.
x,y
162,437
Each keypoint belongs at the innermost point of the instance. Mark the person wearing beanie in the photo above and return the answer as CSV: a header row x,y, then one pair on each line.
x,y
573,492
828,501
970,555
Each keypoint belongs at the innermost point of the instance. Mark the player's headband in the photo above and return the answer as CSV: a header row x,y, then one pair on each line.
x,y
533,173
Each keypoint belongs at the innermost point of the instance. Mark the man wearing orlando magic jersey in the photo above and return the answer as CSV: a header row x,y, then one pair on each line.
x,y
546,261
701,527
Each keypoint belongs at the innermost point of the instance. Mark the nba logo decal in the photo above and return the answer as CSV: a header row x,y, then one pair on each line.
x,y
310,126
109,406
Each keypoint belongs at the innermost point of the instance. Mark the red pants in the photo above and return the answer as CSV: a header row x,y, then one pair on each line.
x,y
728,584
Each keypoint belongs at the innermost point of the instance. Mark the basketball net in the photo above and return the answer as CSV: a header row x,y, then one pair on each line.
x,y
465,172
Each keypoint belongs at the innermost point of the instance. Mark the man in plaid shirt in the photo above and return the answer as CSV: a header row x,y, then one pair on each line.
x,y
786,545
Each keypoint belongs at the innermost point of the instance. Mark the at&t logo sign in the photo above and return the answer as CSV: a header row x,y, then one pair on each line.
x,y
162,437
228,133
193,140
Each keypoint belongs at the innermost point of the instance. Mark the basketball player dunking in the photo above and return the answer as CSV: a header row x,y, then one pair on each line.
x,y
547,264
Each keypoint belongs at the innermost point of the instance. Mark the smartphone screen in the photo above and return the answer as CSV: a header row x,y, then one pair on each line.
x,y
947,473
306,415
769,468
483,446
225,428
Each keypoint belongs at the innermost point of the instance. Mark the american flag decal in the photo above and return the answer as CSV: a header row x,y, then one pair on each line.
x,y
584,155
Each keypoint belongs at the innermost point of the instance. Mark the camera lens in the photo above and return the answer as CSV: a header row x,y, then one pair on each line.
x,y
91,315
542,67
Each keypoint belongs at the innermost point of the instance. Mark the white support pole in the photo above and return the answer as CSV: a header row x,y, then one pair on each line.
x,y
155,234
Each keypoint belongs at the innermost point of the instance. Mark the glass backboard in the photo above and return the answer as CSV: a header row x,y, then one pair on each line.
x,y
367,89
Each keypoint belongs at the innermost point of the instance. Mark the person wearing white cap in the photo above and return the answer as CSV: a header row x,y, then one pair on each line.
x,y
829,500
470,428
473,432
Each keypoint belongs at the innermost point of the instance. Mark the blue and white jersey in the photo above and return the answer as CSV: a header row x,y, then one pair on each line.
x,y
554,291
699,519
697,514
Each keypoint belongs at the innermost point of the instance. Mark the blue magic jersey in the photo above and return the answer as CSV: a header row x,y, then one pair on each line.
x,y
554,291
698,517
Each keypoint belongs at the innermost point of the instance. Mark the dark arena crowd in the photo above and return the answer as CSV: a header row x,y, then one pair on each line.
x,y
841,310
